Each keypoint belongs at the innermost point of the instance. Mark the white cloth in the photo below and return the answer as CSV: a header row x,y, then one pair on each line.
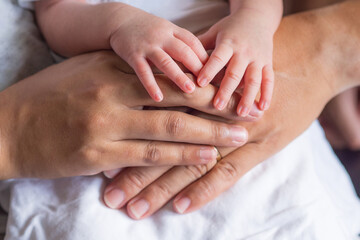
x,y
194,15
301,193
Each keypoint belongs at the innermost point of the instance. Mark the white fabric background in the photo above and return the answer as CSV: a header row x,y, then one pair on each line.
x,y
301,193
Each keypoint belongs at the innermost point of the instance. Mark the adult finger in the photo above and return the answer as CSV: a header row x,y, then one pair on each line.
x,y
181,52
193,42
181,127
234,74
168,66
219,179
146,76
252,81
129,183
128,153
218,59
112,173
158,193
267,87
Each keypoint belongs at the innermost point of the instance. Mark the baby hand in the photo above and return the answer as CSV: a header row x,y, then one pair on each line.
x,y
243,43
144,37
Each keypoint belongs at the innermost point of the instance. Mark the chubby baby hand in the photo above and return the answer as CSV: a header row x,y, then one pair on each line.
x,y
243,44
145,38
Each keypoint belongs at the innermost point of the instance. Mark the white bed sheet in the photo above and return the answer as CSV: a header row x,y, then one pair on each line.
x,y
301,193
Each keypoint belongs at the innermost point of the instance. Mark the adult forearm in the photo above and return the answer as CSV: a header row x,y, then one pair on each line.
x,y
72,27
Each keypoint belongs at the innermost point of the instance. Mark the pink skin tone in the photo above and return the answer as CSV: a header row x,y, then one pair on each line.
x,y
243,41
135,35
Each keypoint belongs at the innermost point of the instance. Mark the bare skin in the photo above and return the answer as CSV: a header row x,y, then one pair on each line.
x,y
243,41
316,57
83,116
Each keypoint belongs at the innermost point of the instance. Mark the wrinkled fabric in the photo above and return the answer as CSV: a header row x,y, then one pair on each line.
x,y
303,192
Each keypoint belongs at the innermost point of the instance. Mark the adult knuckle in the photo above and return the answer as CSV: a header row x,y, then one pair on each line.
x,y
90,156
152,153
162,189
227,170
102,57
205,190
174,124
218,131
136,179
197,171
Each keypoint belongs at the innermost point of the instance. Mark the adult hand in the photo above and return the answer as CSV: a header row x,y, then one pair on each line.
x,y
82,116
306,78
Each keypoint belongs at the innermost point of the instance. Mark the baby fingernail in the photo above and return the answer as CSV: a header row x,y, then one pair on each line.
x,y
182,204
202,82
114,198
220,104
207,154
238,135
139,208
190,86
243,111
158,97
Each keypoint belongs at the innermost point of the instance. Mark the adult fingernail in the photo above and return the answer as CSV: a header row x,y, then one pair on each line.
x,y
158,97
207,154
139,208
190,86
112,173
238,135
202,82
182,204
114,197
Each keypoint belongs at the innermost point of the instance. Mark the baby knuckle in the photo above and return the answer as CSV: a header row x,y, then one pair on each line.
x,y
165,62
217,58
253,82
226,90
152,154
193,41
174,124
233,76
